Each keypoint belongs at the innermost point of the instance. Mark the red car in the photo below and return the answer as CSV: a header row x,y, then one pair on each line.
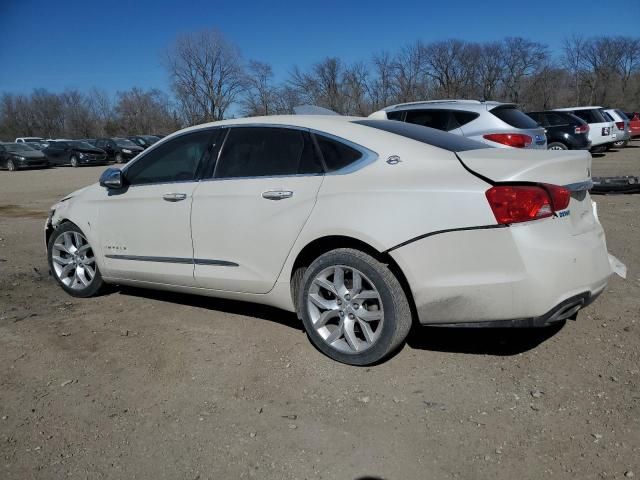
x,y
634,123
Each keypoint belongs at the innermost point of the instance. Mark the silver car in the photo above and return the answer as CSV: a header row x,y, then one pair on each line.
x,y
496,124
623,128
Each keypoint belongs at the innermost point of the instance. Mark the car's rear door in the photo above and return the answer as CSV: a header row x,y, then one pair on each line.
x,y
247,216
145,227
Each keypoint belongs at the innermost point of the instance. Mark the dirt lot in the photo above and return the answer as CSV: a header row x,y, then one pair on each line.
x,y
137,384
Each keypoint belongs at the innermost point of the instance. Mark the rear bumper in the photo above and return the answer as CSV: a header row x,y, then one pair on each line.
x,y
528,274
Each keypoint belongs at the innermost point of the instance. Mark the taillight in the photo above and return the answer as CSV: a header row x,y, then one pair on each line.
x,y
620,125
582,128
516,140
522,203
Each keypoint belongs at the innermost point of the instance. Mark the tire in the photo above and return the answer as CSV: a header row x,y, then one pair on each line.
x,y
76,273
349,337
74,161
11,166
557,146
621,144
118,157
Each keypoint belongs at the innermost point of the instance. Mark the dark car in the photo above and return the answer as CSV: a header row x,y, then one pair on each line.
x,y
118,149
144,141
74,153
564,131
14,156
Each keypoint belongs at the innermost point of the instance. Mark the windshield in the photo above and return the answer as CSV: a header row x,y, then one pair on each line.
x,y
19,147
34,140
430,136
150,139
123,142
79,144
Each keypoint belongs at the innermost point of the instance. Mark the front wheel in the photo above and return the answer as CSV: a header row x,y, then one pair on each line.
x,y
72,262
74,161
11,166
118,157
353,307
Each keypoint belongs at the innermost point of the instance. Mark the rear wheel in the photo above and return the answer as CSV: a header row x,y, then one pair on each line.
x,y
557,146
11,166
72,262
118,157
621,144
353,307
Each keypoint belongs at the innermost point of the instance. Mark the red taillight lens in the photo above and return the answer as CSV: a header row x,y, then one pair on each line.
x,y
620,125
522,203
582,129
516,140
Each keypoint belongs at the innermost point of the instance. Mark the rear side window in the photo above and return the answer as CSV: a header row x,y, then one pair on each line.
x,y
607,116
395,115
430,136
438,119
266,152
514,117
336,154
623,115
462,117
538,117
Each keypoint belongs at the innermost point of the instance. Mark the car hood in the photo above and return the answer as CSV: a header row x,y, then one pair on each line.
x,y
29,154
562,167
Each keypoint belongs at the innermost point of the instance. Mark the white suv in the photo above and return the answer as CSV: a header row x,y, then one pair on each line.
x,y
361,226
601,129
622,126
494,123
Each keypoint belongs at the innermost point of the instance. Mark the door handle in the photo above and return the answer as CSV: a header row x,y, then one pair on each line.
x,y
174,197
277,194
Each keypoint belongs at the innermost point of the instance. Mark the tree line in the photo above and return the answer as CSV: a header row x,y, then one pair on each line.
x,y
210,81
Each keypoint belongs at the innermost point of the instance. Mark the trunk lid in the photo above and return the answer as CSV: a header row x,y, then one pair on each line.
x,y
568,168
559,167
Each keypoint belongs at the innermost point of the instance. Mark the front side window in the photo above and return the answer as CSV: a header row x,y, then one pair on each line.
x,y
267,152
176,161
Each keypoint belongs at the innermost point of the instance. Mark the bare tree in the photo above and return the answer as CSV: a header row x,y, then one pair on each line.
x,y
206,74
522,58
409,72
260,95
140,111
322,85
383,89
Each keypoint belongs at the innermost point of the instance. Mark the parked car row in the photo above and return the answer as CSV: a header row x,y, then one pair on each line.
x,y
37,152
504,125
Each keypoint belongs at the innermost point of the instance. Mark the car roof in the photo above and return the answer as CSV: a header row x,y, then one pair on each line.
x,y
453,104
569,109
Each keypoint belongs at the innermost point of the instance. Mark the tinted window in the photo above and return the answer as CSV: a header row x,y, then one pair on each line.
x,y
557,119
265,152
2,149
175,161
99,143
462,118
623,115
395,115
430,136
607,116
589,116
514,117
336,154
438,119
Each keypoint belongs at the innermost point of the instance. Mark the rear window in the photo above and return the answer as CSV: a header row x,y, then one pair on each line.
x,y
623,115
514,117
430,136
590,116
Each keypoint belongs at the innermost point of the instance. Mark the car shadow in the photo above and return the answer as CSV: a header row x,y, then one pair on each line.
x,y
597,155
263,312
476,341
480,341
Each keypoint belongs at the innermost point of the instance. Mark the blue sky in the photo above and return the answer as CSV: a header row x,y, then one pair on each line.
x,y
115,45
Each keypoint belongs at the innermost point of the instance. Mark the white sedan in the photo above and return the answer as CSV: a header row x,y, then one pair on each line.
x,y
361,226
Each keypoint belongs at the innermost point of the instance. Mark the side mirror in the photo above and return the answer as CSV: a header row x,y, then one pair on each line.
x,y
112,178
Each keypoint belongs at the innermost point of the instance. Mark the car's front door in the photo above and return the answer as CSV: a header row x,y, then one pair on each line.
x,y
145,229
246,218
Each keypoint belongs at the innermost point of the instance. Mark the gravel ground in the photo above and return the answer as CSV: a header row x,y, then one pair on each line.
x,y
138,384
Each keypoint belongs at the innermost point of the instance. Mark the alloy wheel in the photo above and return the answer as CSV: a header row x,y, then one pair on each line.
x,y
73,261
346,309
